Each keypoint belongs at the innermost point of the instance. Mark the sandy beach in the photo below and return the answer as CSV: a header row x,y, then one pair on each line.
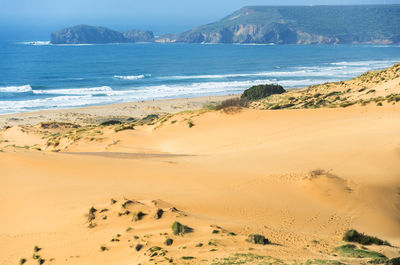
x,y
94,114
299,177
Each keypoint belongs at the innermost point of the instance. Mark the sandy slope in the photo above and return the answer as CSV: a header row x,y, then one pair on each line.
x,y
248,172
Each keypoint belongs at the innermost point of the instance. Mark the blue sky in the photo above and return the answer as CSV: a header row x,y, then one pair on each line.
x,y
39,17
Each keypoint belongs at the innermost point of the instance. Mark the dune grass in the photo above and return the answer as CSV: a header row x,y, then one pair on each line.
x,y
352,251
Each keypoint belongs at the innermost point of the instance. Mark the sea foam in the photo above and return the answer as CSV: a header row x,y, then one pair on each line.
x,y
130,77
75,91
16,89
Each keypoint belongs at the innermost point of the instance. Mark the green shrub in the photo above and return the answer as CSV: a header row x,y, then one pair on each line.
x,y
22,261
187,257
354,236
40,261
168,242
262,91
180,229
190,124
123,127
126,203
394,261
258,239
215,231
212,243
110,122
199,245
137,216
103,248
36,249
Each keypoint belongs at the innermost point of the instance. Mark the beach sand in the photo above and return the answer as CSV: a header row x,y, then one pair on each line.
x,y
299,177
92,114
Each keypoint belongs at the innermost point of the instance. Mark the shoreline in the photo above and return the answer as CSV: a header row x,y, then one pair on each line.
x,y
136,109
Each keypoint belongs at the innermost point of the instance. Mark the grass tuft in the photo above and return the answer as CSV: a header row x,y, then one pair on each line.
x,y
352,251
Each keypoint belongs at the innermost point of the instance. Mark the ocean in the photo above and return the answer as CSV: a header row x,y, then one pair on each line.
x,y
37,75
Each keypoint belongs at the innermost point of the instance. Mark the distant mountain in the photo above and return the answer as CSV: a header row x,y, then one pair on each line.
x,y
362,24
366,24
84,34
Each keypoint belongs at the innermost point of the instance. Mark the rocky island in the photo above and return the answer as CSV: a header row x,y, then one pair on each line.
x,y
84,34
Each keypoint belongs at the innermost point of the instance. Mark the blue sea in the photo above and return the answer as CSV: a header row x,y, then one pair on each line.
x,y
37,75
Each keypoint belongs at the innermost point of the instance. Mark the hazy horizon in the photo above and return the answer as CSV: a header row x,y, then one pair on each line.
x,y
27,20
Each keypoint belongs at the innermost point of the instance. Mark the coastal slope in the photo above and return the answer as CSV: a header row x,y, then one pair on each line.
x,y
366,24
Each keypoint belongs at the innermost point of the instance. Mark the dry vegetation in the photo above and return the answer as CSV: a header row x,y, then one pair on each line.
x,y
376,87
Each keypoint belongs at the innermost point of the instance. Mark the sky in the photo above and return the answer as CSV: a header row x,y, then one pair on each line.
x,y
38,18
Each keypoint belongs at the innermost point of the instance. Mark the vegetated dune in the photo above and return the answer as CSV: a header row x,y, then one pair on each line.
x,y
301,178
371,88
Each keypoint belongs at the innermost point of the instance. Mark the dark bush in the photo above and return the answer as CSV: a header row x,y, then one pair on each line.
x,y
110,122
258,239
180,229
103,248
91,215
159,213
138,247
394,261
262,91
137,216
36,249
233,102
354,236
168,242
190,124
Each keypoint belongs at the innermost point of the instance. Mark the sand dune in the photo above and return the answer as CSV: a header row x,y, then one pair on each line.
x,y
109,194
248,172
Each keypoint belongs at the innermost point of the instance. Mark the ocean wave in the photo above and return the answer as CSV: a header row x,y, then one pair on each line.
x,y
16,89
130,77
299,72
76,44
78,97
255,44
75,91
370,63
36,43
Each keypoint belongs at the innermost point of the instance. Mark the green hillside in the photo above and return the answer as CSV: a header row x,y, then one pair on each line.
x,y
311,24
